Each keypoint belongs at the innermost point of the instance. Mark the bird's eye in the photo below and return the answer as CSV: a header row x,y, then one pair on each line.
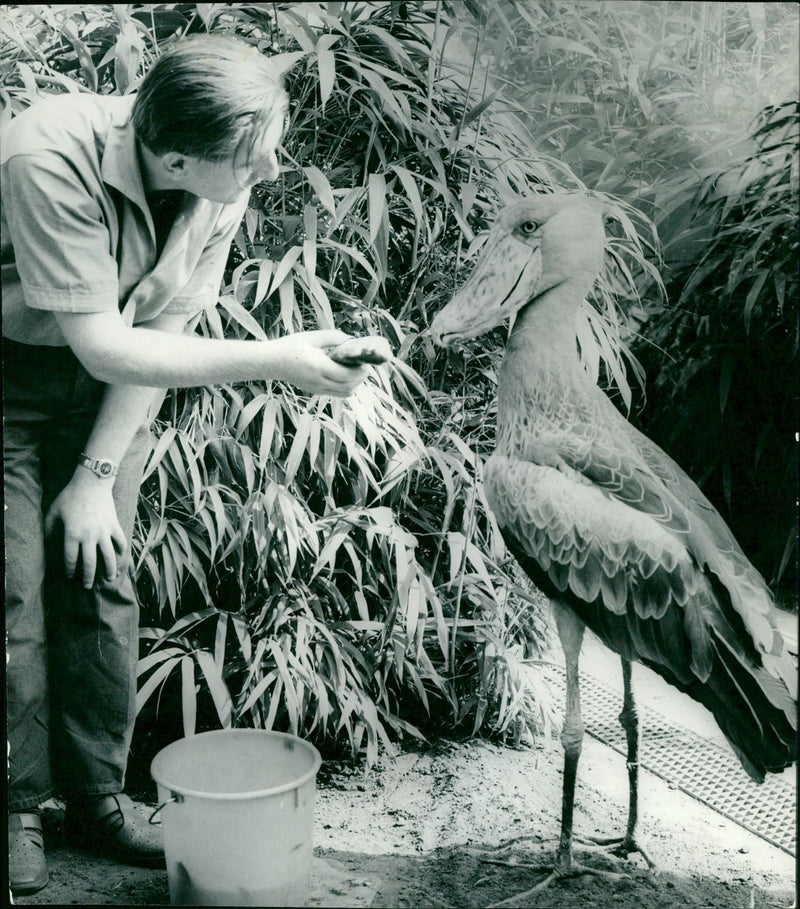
x,y
529,227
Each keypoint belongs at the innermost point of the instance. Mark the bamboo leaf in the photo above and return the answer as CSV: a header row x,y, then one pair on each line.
x,y
269,419
377,205
286,264
753,296
258,691
188,696
412,191
321,187
274,704
84,57
265,268
235,309
212,672
247,415
414,607
290,693
157,678
395,47
298,448
161,448
328,553
127,56
326,64
153,659
220,639
288,305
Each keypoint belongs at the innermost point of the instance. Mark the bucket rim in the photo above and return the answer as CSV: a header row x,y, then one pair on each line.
x,y
177,789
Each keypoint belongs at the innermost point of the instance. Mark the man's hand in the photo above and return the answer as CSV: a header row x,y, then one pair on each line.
x,y
86,509
301,360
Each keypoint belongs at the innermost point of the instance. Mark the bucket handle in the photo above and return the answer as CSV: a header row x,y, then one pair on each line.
x,y
175,797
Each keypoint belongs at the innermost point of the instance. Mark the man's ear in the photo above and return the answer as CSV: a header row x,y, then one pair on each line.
x,y
174,163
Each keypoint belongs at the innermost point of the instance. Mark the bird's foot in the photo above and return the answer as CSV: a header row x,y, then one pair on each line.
x,y
557,873
499,855
619,846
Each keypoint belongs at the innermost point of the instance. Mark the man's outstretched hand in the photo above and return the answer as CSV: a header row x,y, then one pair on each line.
x,y
302,360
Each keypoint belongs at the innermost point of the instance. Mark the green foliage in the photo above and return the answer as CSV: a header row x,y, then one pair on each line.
x,y
735,324
639,97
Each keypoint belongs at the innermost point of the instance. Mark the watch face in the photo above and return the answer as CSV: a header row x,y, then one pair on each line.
x,y
105,468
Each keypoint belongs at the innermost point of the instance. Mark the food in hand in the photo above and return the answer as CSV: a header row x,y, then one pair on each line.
x,y
358,351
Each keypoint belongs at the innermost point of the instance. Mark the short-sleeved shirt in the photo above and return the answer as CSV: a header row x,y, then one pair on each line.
x,y
77,234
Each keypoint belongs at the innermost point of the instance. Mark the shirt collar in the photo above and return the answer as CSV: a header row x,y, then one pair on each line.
x,y
120,167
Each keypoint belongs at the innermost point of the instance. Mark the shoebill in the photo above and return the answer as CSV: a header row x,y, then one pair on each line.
x,y
603,521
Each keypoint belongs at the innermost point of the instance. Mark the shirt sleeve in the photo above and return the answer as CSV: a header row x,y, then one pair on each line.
x,y
60,240
203,287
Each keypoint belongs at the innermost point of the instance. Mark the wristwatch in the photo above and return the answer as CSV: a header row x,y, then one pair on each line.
x,y
100,466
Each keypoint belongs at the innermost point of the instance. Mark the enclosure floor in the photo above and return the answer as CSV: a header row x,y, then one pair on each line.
x,y
416,831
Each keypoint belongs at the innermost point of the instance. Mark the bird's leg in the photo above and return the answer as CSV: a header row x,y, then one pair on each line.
x,y
629,720
570,632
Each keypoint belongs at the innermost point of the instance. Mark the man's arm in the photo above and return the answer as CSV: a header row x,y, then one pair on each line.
x,y
133,362
85,506
118,355
114,353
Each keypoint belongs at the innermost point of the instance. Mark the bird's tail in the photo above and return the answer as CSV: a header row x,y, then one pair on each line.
x,y
754,710
751,703
745,689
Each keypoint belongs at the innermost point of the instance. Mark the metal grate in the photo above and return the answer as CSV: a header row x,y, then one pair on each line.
x,y
694,765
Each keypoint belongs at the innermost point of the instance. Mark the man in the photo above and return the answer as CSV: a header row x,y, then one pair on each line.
x,y
117,218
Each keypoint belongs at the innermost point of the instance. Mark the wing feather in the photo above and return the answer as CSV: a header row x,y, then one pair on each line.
x,y
639,587
613,455
592,544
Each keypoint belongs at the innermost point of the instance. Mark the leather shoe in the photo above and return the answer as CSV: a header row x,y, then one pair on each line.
x,y
27,869
109,825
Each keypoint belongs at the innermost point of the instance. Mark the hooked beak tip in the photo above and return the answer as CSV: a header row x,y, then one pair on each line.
x,y
437,336
444,340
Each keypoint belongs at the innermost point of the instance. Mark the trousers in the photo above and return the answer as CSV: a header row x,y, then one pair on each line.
x,y
71,652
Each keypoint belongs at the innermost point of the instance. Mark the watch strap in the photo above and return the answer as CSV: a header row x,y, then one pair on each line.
x,y
103,467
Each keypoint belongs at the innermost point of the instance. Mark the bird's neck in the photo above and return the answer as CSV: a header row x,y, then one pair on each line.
x,y
544,337
542,384
549,321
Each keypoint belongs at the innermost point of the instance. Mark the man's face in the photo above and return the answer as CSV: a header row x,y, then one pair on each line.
x,y
228,180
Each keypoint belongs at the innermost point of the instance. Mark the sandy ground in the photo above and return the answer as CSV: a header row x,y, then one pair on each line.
x,y
423,830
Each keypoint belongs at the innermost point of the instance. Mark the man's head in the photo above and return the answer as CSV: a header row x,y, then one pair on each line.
x,y
210,113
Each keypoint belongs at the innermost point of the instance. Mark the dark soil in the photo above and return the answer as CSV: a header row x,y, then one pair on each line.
x,y
455,878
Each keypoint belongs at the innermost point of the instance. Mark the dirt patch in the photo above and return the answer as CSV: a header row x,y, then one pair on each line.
x,y
433,823
424,831
457,878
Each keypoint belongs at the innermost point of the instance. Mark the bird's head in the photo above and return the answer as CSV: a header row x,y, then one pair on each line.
x,y
534,245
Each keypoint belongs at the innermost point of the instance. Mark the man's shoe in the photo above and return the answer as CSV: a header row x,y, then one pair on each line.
x,y
110,825
27,869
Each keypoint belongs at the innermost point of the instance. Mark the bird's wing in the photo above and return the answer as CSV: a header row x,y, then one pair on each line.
x,y
577,540
625,464
591,544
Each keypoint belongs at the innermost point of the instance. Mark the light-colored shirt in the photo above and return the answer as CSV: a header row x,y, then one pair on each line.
x,y
77,235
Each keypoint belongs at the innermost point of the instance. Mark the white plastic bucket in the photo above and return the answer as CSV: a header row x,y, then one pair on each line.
x,y
238,817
